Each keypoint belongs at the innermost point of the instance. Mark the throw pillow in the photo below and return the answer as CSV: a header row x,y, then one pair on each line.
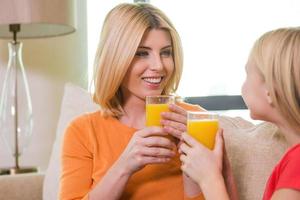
x,y
253,151
76,101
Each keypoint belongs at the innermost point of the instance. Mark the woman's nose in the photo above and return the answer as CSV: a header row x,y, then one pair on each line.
x,y
156,63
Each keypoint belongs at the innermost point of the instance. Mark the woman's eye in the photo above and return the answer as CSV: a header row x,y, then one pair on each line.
x,y
166,53
141,53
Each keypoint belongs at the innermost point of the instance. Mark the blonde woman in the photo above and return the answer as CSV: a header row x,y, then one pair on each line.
x,y
272,93
110,154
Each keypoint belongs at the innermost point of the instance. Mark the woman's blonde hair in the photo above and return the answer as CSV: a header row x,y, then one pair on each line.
x,y
277,56
121,35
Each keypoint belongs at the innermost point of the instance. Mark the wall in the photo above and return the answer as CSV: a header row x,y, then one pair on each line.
x,y
49,63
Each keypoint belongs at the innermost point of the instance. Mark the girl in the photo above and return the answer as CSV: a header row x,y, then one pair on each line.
x,y
272,93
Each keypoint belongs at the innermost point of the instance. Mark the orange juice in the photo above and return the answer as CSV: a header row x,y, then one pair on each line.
x,y
153,113
204,131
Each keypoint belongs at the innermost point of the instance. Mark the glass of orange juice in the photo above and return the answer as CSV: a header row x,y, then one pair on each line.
x,y
155,105
203,126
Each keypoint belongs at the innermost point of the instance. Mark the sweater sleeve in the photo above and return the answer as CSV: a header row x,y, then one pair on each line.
x,y
76,179
199,197
189,107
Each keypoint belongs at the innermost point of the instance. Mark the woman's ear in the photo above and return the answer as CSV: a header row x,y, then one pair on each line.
x,y
268,96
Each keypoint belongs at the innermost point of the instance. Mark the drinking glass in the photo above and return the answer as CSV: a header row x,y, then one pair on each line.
x,y
203,126
155,105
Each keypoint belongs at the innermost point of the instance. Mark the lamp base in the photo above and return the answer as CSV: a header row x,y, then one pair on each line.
x,y
13,170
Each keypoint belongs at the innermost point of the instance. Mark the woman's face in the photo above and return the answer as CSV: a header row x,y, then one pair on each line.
x,y
151,67
255,93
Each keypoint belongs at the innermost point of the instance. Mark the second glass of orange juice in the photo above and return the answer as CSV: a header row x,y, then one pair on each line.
x,y
203,126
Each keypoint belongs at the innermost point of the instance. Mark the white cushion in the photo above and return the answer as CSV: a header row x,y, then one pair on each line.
x,y
76,101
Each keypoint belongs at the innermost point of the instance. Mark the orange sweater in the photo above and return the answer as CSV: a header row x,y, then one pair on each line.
x,y
93,143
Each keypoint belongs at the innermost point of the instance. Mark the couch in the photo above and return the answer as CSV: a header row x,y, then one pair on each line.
x,y
253,150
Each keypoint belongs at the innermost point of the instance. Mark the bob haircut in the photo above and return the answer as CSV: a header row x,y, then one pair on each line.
x,y
121,35
277,56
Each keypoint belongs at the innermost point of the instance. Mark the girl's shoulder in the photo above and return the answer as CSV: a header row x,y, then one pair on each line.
x,y
293,152
291,160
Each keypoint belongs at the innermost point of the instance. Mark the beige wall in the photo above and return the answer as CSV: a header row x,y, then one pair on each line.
x,y
49,63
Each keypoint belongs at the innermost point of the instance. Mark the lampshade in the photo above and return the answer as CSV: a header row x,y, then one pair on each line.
x,y
25,19
38,18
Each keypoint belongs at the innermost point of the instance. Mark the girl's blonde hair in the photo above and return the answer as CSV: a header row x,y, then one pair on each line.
x,y
277,56
121,35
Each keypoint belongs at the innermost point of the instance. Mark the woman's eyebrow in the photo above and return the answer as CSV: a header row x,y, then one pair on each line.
x,y
145,47
166,47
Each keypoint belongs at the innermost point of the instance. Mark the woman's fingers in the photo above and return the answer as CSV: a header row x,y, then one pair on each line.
x,y
158,141
174,122
177,109
158,152
171,116
151,131
155,160
177,114
180,126
173,131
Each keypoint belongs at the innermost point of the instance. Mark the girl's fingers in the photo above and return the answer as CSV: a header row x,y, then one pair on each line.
x,y
184,148
219,143
183,158
189,140
178,145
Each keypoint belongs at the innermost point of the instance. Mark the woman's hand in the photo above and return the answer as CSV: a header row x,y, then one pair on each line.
x,y
174,122
201,164
147,146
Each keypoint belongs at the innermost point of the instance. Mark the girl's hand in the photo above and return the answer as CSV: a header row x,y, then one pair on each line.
x,y
201,164
174,122
147,146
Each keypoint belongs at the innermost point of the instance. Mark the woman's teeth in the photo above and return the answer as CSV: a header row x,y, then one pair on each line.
x,y
153,80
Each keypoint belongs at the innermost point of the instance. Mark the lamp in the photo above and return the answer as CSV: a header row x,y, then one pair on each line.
x,y
25,19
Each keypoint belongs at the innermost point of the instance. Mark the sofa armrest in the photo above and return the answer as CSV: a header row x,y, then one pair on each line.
x,y
21,186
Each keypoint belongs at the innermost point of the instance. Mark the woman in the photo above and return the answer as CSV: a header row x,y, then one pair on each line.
x,y
110,154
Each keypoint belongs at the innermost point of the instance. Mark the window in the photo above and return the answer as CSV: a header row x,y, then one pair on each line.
x,y
216,35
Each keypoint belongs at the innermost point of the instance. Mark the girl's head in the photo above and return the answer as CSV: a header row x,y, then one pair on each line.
x,y
123,31
275,59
